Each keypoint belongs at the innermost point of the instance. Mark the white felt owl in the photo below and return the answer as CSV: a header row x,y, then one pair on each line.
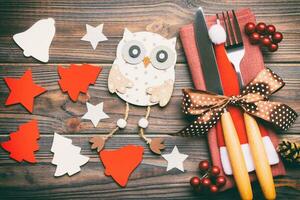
x,y
142,74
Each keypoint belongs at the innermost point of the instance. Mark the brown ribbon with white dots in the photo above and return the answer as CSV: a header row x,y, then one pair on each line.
x,y
208,107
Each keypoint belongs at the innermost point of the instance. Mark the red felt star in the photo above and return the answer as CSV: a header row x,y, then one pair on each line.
x,y
77,78
23,144
23,90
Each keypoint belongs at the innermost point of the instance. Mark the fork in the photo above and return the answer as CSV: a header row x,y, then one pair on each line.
x,y
235,52
234,43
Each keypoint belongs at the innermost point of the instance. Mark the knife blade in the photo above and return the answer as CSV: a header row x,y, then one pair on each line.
x,y
206,54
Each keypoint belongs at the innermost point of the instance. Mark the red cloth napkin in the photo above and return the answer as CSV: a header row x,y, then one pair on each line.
x,y
251,64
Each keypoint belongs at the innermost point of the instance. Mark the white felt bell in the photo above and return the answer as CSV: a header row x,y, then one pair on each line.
x,y
36,40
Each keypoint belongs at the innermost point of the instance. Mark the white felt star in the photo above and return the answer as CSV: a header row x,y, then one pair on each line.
x,y
175,159
94,35
95,113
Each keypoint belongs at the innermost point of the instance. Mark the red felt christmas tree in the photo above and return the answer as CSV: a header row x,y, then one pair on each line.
x,y
77,78
23,143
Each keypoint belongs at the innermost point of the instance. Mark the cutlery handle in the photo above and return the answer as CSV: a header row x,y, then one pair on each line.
x,y
239,169
261,163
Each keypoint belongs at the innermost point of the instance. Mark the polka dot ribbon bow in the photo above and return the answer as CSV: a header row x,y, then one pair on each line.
x,y
208,107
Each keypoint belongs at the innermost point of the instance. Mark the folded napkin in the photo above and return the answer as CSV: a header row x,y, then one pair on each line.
x,y
251,64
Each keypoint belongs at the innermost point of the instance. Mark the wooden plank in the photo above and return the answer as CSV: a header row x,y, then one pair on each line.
x,y
56,112
150,180
164,17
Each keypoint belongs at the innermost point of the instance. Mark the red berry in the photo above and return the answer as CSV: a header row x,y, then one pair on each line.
x,y
249,28
254,38
215,171
277,37
213,189
273,47
265,41
195,181
271,29
206,182
261,28
220,181
204,165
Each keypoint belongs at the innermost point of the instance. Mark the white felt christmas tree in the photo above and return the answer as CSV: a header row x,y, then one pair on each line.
x,y
67,157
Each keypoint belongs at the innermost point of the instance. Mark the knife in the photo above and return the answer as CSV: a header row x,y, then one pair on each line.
x,y
213,83
206,54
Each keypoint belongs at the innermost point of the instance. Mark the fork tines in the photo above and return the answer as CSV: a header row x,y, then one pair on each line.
x,y
234,36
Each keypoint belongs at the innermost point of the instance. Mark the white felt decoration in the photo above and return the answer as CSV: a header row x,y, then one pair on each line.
x,y
175,159
143,123
36,40
95,113
132,79
121,123
94,35
67,157
247,157
217,33
270,150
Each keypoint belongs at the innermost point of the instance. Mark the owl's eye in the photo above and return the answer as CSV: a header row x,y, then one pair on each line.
x,y
133,52
162,57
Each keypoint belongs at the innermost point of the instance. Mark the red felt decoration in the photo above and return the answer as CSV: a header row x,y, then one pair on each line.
x,y
120,163
23,90
77,78
23,144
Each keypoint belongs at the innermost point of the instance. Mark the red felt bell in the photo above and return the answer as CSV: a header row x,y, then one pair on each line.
x,y
120,163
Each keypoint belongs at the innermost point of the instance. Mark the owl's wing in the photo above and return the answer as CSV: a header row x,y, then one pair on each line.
x,y
161,94
117,82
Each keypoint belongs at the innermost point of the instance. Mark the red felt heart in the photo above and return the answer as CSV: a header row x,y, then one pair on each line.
x,y
120,163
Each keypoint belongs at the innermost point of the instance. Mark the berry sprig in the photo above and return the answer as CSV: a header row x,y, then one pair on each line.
x,y
265,35
209,180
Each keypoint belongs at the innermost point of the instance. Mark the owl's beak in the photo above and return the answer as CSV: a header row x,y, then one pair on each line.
x,y
146,61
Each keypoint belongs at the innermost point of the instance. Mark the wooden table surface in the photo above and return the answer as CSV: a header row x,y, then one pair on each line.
x,y
56,113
